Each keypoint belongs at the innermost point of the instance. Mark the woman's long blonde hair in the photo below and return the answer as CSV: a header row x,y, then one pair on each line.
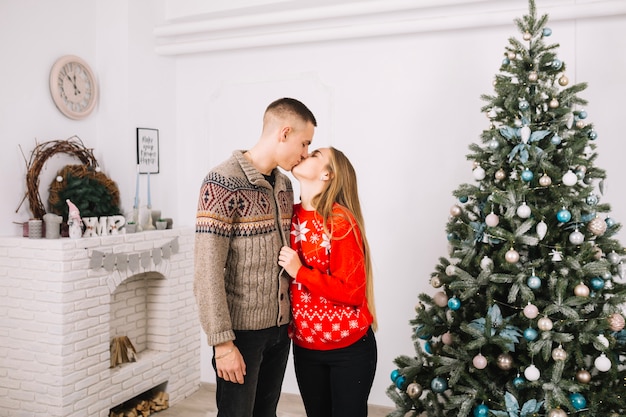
x,y
342,189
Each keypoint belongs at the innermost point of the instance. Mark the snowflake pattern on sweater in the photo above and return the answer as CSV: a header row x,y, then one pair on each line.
x,y
328,296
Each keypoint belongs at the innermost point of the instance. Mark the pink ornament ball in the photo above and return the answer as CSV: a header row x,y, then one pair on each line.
x,y
531,311
479,361
616,322
441,299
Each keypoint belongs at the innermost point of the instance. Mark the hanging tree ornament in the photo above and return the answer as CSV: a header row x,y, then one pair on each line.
x,y
492,219
486,262
523,211
563,215
531,311
504,361
525,133
533,282
557,255
597,226
447,338
583,376
577,400
414,390
527,175
576,237
613,258
530,334
435,282
554,103
500,175
545,180
557,412
569,178
559,354
542,229
581,290
456,211
511,256
532,373
545,324
602,363
441,299
479,361
478,173
616,322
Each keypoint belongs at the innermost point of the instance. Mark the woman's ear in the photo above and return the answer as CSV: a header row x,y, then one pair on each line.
x,y
325,176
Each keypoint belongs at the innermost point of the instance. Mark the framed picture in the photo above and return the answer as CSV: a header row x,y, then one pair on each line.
x,y
148,150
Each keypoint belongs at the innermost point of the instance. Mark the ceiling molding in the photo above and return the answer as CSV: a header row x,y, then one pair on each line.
x,y
358,20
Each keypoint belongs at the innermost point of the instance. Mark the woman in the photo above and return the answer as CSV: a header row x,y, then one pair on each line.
x,y
331,291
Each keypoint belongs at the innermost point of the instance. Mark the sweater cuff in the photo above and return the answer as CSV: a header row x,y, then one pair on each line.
x,y
216,339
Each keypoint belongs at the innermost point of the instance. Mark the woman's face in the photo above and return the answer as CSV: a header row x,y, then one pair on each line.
x,y
315,167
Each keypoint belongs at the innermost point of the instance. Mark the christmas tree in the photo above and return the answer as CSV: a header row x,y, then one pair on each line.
x,y
527,318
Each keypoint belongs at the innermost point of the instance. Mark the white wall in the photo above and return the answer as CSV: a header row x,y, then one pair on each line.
x,y
403,107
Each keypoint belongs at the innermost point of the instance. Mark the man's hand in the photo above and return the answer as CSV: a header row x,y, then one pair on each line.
x,y
229,363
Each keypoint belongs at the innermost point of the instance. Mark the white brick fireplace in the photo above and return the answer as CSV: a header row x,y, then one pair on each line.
x,y
63,300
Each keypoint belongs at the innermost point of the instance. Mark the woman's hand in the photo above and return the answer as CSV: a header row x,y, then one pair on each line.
x,y
288,259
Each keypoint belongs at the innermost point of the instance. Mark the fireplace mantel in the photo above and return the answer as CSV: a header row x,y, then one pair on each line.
x,y
55,332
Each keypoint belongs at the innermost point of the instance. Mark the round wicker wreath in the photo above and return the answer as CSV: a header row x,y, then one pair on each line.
x,y
74,147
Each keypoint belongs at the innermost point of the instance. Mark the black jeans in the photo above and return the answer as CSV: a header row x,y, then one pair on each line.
x,y
265,353
337,383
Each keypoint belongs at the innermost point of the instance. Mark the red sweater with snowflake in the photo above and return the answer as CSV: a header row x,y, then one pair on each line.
x,y
328,297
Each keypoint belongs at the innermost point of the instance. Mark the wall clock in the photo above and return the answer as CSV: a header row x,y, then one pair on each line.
x,y
73,87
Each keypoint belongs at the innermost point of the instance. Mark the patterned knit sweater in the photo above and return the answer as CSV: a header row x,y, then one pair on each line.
x,y
241,224
328,297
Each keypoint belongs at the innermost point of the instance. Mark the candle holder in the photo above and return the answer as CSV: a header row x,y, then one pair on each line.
x,y
148,225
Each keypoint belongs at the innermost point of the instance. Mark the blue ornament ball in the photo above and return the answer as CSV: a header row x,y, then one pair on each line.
x,y
609,222
582,114
547,32
523,105
527,175
452,236
530,334
577,400
481,411
400,382
428,348
463,199
555,140
438,385
592,199
586,218
557,64
563,215
534,282
593,135
420,334
506,61
597,283
394,375
519,382
454,303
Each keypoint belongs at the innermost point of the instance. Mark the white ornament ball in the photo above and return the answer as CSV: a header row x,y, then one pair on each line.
x,y
447,338
545,324
597,226
450,270
542,229
580,124
414,390
602,363
554,103
59,178
98,169
570,178
511,256
479,173
532,76
492,220
532,373
486,262
455,211
531,311
576,238
523,211
603,340
581,290
479,361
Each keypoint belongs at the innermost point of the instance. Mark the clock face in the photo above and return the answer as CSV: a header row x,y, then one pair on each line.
x,y
73,87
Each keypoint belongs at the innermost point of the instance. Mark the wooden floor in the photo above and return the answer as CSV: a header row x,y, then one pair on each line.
x,y
202,404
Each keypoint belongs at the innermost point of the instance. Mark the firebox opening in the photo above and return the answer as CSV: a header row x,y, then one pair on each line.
x,y
144,404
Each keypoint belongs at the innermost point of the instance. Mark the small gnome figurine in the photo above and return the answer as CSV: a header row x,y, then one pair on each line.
x,y
74,221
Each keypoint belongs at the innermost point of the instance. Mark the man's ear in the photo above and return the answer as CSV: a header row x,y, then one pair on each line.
x,y
284,132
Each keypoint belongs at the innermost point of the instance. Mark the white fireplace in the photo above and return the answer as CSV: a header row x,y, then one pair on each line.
x,y
63,300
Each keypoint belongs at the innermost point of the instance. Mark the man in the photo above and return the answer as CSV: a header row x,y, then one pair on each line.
x,y
243,219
